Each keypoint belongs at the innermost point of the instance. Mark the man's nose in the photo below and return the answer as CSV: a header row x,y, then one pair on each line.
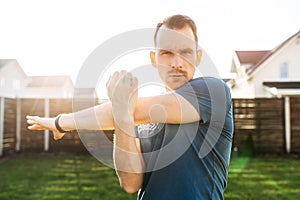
x,y
177,67
176,63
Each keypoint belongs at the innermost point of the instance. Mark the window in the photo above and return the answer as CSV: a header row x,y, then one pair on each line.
x,y
16,84
246,65
284,70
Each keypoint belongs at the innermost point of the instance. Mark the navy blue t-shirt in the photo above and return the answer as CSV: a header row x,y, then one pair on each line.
x,y
190,161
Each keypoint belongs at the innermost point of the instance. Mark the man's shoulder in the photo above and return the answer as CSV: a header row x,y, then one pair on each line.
x,y
205,86
209,83
204,83
207,80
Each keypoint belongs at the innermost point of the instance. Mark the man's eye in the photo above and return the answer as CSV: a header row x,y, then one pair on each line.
x,y
167,53
186,52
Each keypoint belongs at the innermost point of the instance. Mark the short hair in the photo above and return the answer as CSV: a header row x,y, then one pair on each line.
x,y
177,22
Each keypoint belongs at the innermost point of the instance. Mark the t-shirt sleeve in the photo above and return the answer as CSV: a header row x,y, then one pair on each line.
x,y
197,93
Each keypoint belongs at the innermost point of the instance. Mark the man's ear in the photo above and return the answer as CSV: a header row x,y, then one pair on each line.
x,y
199,56
152,58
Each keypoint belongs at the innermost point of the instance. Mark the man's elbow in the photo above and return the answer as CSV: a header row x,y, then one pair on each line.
x,y
130,189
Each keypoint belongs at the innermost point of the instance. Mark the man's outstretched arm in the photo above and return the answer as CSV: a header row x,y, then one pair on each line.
x,y
166,108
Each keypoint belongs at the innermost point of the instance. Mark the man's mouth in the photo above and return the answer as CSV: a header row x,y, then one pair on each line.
x,y
176,75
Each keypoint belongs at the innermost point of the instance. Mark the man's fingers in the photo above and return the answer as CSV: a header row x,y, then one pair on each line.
x,y
31,117
134,82
119,81
114,79
38,124
108,82
57,135
30,121
35,127
126,80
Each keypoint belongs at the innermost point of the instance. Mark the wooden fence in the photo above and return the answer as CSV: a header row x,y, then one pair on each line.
x,y
15,136
295,122
259,126
8,119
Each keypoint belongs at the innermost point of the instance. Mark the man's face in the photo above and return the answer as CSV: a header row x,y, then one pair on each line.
x,y
176,56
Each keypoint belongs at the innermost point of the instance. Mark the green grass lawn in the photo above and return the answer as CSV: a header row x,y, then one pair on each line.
x,y
83,177
264,178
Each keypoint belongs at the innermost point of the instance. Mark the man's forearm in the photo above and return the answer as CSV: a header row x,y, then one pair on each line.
x,y
95,118
128,160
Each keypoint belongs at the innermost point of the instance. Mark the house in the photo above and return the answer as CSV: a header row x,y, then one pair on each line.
x,y
15,83
12,78
267,74
270,73
47,87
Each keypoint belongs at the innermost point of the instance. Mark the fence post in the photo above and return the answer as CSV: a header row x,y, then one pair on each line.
x,y
46,132
287,118
2,99
18,125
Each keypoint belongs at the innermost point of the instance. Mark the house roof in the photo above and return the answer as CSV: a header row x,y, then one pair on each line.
x,y
48,81
5,62
251,57
283,84
272,52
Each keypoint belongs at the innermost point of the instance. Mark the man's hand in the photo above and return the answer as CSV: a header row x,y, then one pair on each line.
x,y
122,92
40,123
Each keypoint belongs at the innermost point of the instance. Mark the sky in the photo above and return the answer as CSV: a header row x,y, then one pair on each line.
x,y
55,37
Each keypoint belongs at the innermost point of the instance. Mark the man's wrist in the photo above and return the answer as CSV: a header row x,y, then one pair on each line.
x,y
122,116
124,120
58,125
124,123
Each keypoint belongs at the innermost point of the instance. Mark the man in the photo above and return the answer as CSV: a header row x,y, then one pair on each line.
x,y
182,148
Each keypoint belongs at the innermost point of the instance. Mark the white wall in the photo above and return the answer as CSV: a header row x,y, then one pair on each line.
x,y
12,79
46,93
244,89
270,70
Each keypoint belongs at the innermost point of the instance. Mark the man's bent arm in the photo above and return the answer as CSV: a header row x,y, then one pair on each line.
x,y
167,108
128,160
